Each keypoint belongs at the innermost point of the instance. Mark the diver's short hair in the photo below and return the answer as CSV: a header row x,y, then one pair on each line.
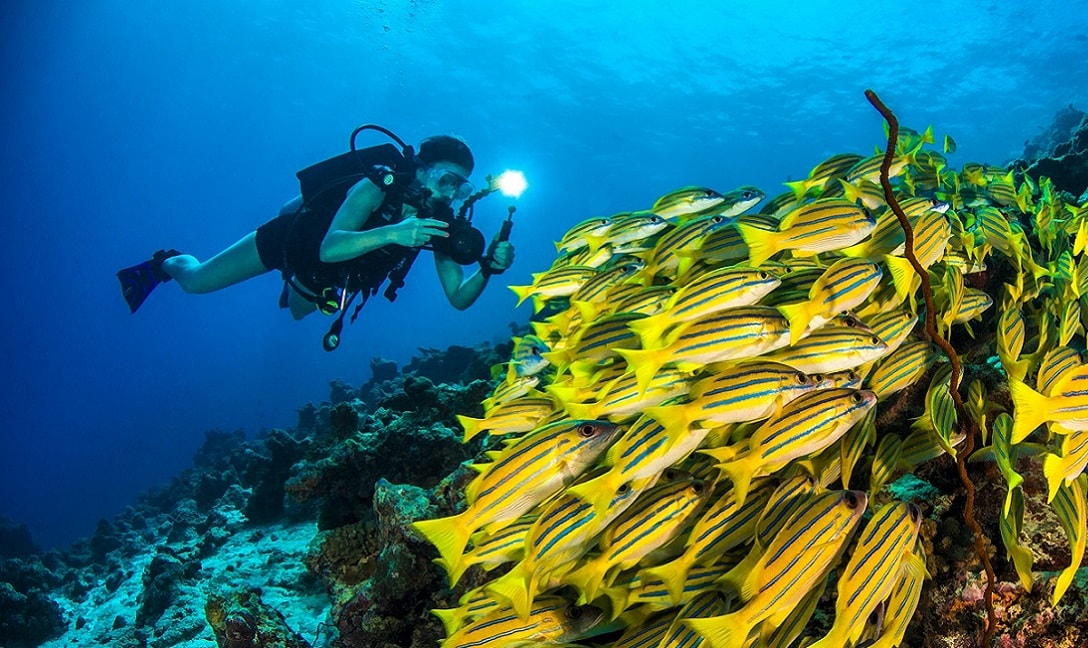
x,y
446,148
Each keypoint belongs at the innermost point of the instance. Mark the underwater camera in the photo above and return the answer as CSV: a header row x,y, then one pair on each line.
x,y
465,243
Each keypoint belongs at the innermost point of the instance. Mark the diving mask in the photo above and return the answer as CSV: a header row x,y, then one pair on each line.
x,y
449,184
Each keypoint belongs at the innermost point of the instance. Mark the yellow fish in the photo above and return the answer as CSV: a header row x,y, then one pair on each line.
x,y
526,473
845,284
772,582
552,621
820,226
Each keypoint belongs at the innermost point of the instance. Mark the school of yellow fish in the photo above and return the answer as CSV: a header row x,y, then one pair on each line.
x,y
680,432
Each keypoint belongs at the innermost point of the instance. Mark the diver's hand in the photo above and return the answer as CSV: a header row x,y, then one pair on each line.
x,y
414,232
501,256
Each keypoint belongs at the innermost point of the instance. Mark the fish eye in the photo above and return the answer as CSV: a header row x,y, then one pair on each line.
x,y
624,489
573,612
850,499
801,378
669,474
709,193
717,219
605,221
848,320
697,486
764,275
747,194
857,397
915,512
587,430
851,376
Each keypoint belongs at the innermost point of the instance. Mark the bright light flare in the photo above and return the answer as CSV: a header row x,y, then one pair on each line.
x,y
511,183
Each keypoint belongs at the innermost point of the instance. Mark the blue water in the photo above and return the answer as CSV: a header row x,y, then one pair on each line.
x,y
130,126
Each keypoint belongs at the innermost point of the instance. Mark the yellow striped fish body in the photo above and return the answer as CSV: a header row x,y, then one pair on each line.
x,y
723,526
1071,508
888,236
859,437
1058,362
733,334
575,238
597,287
560,535
584,256
845,284
869,576
784,635
784,502
622,400
645,450
902,368
510,390
1011,524
630,229
737,202
1073,460
687,200
705,295
869,168
648,591
646,634
599,341
527,358
805,426
921,445
795,284
822,174
1067,404
903,601
665,259
494,549
552,620
869,195
655,519
519,415
821,226
560,282
893,327
648,300
799,558
975,302
746,392
706,605
830,349
524,474
723,246
473,605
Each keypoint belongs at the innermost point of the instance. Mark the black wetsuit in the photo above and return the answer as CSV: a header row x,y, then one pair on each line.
x,y
291,242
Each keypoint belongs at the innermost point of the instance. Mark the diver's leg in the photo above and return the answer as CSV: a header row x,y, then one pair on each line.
x,y
233,265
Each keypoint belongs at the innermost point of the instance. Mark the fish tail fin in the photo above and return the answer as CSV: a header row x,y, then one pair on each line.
x,y
799,187
1054,471
761,243
619,596
719,631
451,619
523,293
1029,410
586,579
472,426
674,418
902,273
646,363
799,315
453,572
449,535
740,472
674,574
597,492
516,589
650,329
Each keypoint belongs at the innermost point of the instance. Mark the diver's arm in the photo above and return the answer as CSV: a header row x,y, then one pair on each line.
x,y
346,239
460,291
463,292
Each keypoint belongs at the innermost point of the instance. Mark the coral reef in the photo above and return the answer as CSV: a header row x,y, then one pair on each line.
x,y
1060,153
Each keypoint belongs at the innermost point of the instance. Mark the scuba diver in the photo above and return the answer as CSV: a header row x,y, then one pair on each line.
x,y
361,218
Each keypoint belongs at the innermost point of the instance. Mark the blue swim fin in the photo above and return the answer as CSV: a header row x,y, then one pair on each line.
x,y
138,281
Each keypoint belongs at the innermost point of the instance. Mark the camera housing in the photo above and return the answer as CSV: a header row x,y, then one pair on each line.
x,y
465,244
